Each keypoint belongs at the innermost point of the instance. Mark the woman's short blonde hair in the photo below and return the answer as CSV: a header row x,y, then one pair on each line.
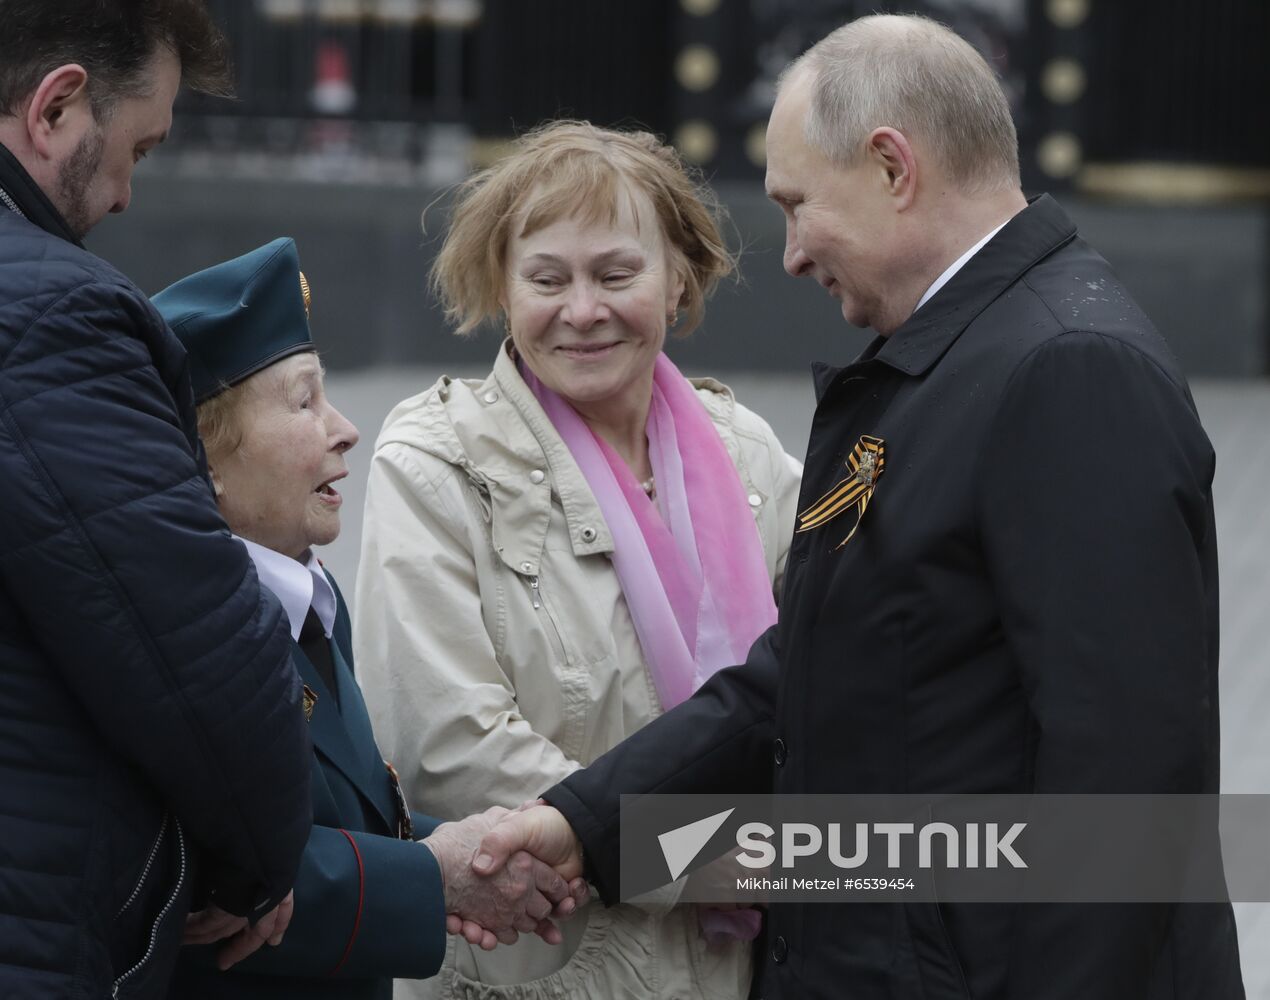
x,y
564,168
220,422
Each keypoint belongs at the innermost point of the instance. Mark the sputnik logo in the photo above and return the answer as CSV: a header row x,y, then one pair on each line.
x,y
681,845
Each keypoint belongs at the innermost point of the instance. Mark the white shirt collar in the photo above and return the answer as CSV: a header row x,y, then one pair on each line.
x,y
956,266
297,585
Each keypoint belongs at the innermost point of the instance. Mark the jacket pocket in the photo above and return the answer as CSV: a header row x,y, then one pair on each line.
x,y
551,628
591,971
571,675
722,970
938,967
158,948
147,869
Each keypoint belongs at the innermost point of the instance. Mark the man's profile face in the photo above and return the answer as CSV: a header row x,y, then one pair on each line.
x,y
96,178
837,228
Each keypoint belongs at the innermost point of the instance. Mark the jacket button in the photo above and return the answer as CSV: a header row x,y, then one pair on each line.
x,y
526,567
491,397
537,476
780,752
755,500
780,950
588,534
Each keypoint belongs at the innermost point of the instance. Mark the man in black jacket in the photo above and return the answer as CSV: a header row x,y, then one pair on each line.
x,y
150,716
1004,574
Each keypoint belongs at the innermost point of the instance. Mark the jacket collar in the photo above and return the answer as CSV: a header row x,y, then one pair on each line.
x,y
18,191
297,585
1033,234
581,510
498,434
588,533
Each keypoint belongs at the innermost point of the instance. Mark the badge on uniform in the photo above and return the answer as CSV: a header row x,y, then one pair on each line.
x,y
864,469
310,699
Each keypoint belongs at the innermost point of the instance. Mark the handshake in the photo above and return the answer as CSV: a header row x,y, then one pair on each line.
x,y
508,872
504,872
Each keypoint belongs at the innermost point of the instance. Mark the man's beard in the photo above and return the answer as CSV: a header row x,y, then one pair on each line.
x,y
75,179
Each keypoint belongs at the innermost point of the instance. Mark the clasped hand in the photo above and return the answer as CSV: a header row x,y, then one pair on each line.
x,y
487,902
214,924
519,896
537,835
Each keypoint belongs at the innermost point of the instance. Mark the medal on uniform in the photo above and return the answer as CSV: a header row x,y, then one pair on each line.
x,y
864,467
405,827
310,699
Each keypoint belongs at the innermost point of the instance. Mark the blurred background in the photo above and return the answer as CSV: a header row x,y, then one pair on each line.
x,y
354,118
1146,118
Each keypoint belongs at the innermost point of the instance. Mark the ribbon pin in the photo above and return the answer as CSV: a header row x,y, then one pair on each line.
x,y
864,467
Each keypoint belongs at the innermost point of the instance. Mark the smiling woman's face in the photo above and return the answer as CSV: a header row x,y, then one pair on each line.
x,y
275,487
588,303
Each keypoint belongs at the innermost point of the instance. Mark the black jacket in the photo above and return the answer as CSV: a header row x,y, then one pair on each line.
x,y
1029,605
150,716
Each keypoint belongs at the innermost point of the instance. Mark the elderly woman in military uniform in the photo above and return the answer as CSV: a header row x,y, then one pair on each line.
x,y
557,553
370,901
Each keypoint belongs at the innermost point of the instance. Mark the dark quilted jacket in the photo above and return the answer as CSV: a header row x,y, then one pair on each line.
x,y
151,728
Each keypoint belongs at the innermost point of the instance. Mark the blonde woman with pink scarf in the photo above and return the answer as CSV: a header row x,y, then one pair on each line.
x,y
556,554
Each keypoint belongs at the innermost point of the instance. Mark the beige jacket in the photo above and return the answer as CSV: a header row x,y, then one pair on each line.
x,y
497,655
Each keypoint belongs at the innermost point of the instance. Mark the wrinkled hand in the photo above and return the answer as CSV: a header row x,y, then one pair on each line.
x,y
214,924
497,906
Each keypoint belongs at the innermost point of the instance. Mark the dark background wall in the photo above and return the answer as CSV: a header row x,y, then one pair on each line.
x,y
1141,116
1202,273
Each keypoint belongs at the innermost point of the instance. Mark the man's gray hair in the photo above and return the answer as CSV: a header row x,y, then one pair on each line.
x,y
918,77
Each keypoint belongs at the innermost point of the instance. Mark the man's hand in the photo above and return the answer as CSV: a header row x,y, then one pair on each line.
x,y
214,924
539,829
496,906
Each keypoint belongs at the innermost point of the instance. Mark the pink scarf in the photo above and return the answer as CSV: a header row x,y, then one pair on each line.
x,y
694,576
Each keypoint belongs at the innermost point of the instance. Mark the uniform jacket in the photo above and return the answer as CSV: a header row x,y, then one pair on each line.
x,y
149,712
1029,605
498,655
368,905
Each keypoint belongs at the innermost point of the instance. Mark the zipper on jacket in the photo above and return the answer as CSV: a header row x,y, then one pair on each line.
x,y
551,628
158,920
145,871
10,204
564,665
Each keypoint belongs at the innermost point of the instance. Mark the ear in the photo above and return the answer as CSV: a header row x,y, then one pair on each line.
x,y
675,290
891,152
60,113
218,487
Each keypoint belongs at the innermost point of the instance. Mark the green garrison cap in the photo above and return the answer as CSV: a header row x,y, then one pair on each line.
x,y
241,316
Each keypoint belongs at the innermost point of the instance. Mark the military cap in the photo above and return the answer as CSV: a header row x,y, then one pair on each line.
x,y
239,317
